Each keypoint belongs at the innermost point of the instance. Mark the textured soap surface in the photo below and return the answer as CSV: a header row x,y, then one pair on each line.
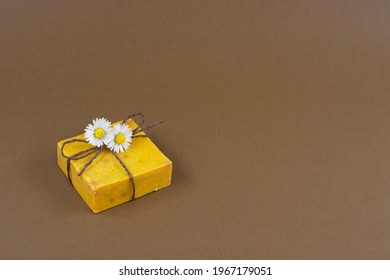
x,y
105,183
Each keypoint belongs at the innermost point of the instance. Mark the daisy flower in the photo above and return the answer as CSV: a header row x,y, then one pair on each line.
x,y
97,133
120,138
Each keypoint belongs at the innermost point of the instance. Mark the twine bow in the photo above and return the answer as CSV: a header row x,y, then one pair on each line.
x,y
95,151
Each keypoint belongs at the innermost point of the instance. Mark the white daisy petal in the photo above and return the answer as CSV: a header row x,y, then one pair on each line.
x,y
119,138
97,132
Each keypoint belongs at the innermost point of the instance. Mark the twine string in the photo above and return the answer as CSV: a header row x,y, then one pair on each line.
x,y
140,129
91,160
76,156
135,115
128,173
95,151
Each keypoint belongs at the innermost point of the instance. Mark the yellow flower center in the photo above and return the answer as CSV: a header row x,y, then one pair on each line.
x,y
99,133
120,138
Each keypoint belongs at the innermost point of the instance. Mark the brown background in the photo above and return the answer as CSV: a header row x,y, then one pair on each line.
x,y
277,121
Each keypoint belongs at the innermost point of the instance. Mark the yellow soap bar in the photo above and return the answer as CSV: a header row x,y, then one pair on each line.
x,y
105,183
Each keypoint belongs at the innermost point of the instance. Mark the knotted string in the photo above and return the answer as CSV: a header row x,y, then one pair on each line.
x,y
96,151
